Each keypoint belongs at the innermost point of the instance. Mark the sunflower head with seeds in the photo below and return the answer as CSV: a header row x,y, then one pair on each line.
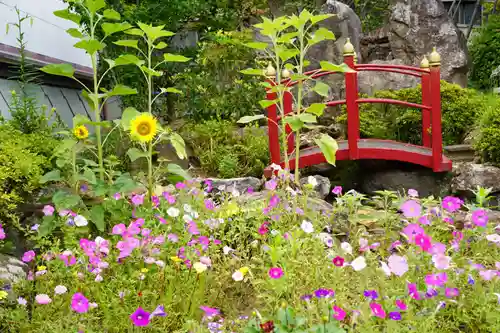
x,y
144,127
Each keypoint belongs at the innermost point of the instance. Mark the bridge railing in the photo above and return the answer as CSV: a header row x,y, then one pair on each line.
x,y
429,74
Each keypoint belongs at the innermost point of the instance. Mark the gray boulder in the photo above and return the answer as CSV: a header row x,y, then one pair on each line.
x,y
418,25
322,185
241,185
468,176
11,271
370,82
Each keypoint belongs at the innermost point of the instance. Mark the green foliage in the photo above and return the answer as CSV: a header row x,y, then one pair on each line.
x,y
484,53
214,88
24,158
460,109
226,151
488,141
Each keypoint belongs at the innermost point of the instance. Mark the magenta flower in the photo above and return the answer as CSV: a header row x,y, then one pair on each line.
x,y
398,265
395,315
271,185
274,201
161,219
140,317
337,190
68,259
119,229
451,204
411,230
209,204
377,310
2,233
48,210
424,242
170,198
79,303
480,217
425,220
338,313
117,196
263,228
411,208
137,199
338,261
413,291
275,273
209,312
401,305
28,256
437,280
193,228
451,292
322,293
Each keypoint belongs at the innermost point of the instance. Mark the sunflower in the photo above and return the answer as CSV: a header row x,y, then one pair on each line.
x,y
81,132
143,127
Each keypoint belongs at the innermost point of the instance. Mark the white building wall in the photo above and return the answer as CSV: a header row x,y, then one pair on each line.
x,y
48,34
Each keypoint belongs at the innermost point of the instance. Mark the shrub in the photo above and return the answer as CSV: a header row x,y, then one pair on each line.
x,y
225,151
484,53
24,158
488,140
460,109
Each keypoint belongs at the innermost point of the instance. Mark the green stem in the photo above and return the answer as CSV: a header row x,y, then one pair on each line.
x,y
150,170
299,106
73,162
150,110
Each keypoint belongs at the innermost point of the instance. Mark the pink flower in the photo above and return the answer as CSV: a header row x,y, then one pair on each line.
x,y
438,248
48,210
337,190
488,274
137,199
363,245
117,196
173,238
170,198
437,280
411,208
2,233
480,217
338,261
401,305
425,220
140,317
79,303
263,229
28,256
398,265
412,230
451,204
423,241
451,292
377,310
275,273
271,185
193,228
209,204
413,291
412,193
441,261
338,313
119,229
43,299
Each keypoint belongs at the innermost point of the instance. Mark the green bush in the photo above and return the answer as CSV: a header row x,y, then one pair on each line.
x,y
484,53
226,152
24,158
488,141
460,108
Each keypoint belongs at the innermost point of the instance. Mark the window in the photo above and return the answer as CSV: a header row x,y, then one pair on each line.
x,y
465,11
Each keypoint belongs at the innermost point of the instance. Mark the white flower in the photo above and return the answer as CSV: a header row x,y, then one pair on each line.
x,y
493,238
93,305
173,212
67,253
441,261
385,268
160,263
346,247
312,181
238,276
226,249
274,232
187,208
199,267
59,290
307,227
187,218
80,221
276,167
358,264
21,301
98,278
235,193
326,239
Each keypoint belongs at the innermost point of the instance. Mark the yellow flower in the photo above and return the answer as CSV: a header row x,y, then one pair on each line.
x,y
176,259
42,268
244,270
199,267
3,294
81,132
144,270
143,128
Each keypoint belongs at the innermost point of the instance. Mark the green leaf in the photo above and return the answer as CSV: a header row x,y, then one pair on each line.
x,y
175,58
127,43
90,45
134,154
73,32
67,15
318,18
63,200
97,217
112,28
266,103
307,118
160,46
252,71
342,68
90,163
328,147
249,119
121,90
80,119
47,226
128,115
171,90
179,145
151,72
153,33
88,176
295,122
321,89
128,59
316,109
59,69
111,14
51,176
320,35
135,32
111,63
177,170
257,46
95,5
288,37
287,54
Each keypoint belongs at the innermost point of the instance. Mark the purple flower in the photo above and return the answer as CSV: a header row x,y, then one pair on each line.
x,y
377,310
274,201
35,227
431,293
275,273
117,196
425,220
173,238
155,201
451,292
322,293
209,312
371,294
79,303
470,280
48,210
451,204
480,217
306,297
180,186
401,305
271,185
158,312
411,208
209,204
193,228
337,190
437,280
28,256
395,315
140,317
412,230
119,229
413,291
137,199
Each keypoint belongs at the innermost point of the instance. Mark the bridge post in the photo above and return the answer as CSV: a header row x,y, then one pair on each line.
x,y
426,100
272,118
288,108
351,92
437,138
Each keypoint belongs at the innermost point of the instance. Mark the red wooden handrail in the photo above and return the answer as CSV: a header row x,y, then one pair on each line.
x,y
393,101
390,70
384,66
335,103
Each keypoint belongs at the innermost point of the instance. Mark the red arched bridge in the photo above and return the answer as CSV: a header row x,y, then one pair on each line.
x,y
429,155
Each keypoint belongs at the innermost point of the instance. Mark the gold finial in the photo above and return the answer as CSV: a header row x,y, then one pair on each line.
x,y
434,58
270,71
355,58
349,48
286,73
424,63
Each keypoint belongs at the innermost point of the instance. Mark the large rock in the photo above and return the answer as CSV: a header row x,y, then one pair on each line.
x,y
468,176
321,184
370,82
241,185
11,270
418,25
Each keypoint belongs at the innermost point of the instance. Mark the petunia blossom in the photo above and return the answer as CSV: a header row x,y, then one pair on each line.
x,y
140,317
48,210
451,204
338,313
43,299
411,208
398,265
441,261
28,256
338,261
412,230
358,264
480,217
346,247
80,221
79,303
307,227
377,310
275,272
438,279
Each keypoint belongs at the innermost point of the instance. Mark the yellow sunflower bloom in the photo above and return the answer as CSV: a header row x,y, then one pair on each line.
x,y
81,132
143,128
3,294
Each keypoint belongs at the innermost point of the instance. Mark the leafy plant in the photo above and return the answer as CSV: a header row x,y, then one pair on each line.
x,y
488,133
483,53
